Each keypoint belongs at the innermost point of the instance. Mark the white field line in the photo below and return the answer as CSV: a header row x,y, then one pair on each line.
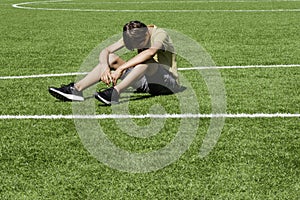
x,y
43,75
179,69
239,67
23,6
157,2
156,116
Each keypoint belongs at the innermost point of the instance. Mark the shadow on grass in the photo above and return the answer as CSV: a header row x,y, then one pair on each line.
x,y
137,96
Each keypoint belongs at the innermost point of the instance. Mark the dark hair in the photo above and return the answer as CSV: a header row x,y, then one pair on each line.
x,y
134,32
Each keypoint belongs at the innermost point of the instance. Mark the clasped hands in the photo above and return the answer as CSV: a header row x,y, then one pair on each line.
x,y
111,77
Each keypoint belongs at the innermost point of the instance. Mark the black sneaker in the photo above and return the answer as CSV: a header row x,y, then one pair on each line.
x,y
108,96
66,93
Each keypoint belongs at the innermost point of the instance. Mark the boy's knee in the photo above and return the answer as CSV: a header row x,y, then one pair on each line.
x,y
114,61
142,66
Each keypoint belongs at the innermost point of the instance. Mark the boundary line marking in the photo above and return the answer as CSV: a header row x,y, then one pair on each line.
x,y
179,69
156,116
21,6
42,75
239,67
157,1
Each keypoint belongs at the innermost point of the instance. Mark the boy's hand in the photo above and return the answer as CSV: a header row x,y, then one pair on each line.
x,y
106,77
115,76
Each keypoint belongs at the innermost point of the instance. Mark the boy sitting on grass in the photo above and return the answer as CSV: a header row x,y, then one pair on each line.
x,y
153,70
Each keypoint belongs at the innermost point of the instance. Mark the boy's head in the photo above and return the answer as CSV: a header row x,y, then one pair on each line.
x,y
135,35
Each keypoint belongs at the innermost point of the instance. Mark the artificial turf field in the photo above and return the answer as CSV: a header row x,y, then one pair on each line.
x,y
256,156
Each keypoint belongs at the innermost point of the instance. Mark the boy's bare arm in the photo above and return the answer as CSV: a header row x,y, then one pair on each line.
x,y
138,59
103,57
104,60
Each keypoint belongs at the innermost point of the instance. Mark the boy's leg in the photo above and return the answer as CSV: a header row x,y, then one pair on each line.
x,y
73,92
94,76
159,80
111,95
141,85
135,74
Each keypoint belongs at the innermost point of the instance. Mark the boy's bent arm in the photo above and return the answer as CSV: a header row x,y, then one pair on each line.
x,y
104,61
104,54
141,57
138,59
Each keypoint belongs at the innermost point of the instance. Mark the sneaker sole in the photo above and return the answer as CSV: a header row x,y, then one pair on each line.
x,y
98,97
63,96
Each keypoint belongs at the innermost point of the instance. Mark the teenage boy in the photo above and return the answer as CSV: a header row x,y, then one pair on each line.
x,y
152,70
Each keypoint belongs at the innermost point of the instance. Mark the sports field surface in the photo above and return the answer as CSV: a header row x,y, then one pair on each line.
x,y
233,133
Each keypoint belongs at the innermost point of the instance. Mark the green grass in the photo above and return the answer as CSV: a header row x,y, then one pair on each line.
x,y
254,158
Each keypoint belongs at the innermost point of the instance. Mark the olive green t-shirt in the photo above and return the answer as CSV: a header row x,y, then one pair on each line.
x,y
165,56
